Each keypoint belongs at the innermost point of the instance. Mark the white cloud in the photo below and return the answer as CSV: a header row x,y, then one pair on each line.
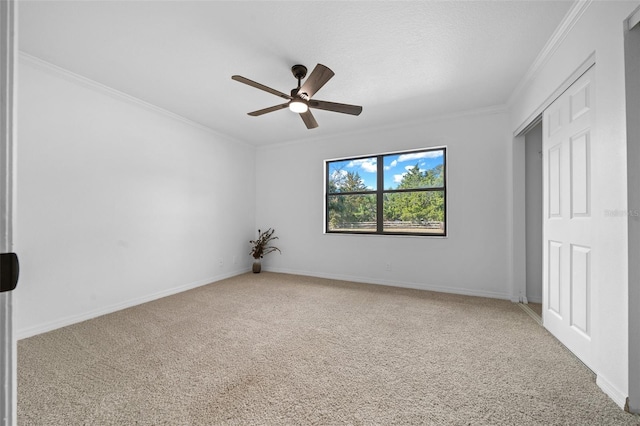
x,y
368,167
366,164
398,178
391,165
338,173
407,168
418,155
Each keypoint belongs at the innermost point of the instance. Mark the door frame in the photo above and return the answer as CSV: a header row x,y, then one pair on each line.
x,y
8,63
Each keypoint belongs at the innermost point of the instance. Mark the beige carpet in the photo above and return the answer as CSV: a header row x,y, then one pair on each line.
x,y
282,350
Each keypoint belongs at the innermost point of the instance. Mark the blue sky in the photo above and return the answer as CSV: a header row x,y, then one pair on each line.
x,y
395,166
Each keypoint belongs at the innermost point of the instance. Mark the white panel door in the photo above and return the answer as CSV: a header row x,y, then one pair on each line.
x,y
567,243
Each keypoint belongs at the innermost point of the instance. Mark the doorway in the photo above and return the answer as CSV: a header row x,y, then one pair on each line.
x,y
528,192
533,217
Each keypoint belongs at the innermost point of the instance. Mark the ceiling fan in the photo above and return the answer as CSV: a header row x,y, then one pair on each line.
x,y
300,99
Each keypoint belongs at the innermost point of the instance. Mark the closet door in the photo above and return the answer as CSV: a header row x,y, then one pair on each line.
x,y
567,242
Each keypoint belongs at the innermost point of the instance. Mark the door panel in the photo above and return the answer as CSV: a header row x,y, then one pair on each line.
x,y
580,100
567,302
580,173
555,277
554,188
580,271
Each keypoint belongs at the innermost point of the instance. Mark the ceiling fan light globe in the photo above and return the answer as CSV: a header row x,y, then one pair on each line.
x,y
298,106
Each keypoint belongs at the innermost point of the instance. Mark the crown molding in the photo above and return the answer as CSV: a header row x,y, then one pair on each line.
x,y
92,84
556,39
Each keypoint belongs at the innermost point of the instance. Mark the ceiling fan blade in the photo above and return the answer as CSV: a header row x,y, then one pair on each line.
x,y
260,86
335,107
266,110
309,119
318,78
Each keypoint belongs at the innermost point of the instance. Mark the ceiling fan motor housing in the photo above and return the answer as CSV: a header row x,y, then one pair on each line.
x,y
299,71
301,95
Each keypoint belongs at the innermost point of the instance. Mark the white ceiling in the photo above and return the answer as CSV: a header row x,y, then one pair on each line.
x,y
402,61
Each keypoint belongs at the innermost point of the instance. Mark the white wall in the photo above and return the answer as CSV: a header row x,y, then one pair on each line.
x,y
599,29
471,260
533,195
119,203
632,65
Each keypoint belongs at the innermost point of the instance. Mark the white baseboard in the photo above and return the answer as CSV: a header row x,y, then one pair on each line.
x,y
73,319
619,397
401,284
525,307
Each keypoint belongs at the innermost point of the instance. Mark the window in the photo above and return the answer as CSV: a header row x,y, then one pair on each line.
x,y
402,193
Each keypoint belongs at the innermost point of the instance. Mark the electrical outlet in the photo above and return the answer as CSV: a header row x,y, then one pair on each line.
x,y
221,262
387,266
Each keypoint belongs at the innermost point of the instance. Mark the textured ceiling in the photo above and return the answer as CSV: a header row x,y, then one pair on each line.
x,y
402,61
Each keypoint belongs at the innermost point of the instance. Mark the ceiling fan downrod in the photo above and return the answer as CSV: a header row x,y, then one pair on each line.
x,y
299,72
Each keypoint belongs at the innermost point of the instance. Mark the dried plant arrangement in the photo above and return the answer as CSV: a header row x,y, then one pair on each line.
x,y
262,245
